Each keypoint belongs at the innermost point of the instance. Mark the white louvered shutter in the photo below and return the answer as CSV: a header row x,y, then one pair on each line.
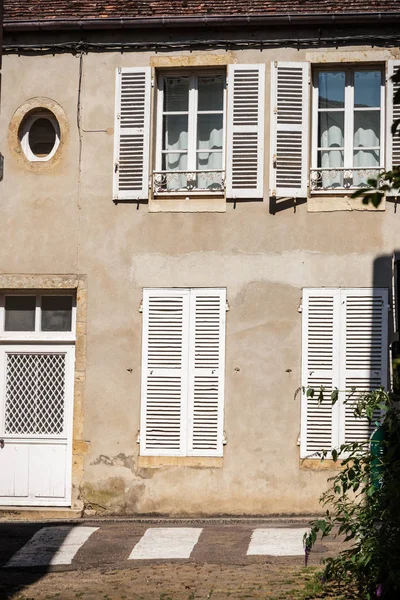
x,y
364,336
393,114
395,310
206,372
164,372
320,368
245,131
289,129
132,133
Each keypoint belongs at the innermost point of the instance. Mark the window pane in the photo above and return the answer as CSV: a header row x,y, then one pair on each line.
x,y
209,160
42,137
211,92
332,158
331,86
367,88
20,313
331,130
176,94
174,161
56,313
175,132
367,128
209,132
366,158
329,160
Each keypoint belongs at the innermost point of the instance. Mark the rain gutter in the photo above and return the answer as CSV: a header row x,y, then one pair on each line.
x,y
201,21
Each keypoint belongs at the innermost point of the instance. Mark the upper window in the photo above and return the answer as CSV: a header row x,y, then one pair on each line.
x,y
348,127
190,133
39,135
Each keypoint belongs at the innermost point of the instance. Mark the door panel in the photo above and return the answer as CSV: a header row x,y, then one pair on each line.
x,y
14,471
47,470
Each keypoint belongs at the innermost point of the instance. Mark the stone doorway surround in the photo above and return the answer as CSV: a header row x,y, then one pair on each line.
x,y
13,282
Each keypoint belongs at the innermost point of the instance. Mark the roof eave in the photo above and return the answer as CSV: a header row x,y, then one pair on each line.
x,y
200,21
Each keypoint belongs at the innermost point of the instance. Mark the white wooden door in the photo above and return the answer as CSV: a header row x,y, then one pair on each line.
x,y
36,399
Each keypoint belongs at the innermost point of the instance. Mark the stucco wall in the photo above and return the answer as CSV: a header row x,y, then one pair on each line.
x,y
64,221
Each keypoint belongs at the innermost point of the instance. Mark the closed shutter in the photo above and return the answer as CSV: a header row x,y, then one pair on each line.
x,y
164,372
393,114
289,129
245,131
132,133
320,368
183,372
364,354
206,372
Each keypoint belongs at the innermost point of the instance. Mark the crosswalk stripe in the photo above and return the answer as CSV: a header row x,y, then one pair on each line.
x,y
51,546
166,542
276,541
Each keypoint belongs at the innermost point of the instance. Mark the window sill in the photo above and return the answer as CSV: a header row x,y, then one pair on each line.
x,y
337,201
188,204
316,464
154,462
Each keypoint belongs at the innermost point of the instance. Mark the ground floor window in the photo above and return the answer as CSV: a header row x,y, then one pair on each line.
x,y
345,347
183,372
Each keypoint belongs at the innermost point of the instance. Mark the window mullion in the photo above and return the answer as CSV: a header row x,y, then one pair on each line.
x,y
315,119
160,122
192,123
38,312
348,120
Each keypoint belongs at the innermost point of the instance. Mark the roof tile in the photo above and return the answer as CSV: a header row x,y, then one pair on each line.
x,y
27,10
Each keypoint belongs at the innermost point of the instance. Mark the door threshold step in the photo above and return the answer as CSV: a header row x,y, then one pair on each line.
x,y
37,513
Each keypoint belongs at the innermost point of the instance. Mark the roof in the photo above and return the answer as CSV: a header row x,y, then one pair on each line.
x,y
53,10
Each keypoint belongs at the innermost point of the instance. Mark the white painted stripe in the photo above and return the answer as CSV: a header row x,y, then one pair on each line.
x,y
277,542
166,542
51,546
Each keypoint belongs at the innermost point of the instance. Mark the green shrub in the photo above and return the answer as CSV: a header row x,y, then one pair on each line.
x,y
363,504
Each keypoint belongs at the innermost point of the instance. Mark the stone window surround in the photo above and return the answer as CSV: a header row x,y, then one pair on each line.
x,y
17,119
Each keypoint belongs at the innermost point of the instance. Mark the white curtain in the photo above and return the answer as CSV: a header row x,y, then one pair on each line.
x,y
332,138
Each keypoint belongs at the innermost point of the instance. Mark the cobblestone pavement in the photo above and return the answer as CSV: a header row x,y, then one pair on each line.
x,y
155,561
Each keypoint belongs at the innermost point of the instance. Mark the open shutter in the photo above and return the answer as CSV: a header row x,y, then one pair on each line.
x,y
289,129
393,114
364,349
206,372
132,133
245,131
164,372
320,368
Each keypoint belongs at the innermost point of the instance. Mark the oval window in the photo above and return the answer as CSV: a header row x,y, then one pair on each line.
x,y
39,136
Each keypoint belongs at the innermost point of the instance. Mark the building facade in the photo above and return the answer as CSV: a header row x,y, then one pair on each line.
x,y
181,252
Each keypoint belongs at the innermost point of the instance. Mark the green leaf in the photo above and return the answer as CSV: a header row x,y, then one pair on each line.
x,y
335,396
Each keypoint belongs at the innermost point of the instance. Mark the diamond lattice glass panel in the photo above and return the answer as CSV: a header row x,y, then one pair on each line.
x,y
35,394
